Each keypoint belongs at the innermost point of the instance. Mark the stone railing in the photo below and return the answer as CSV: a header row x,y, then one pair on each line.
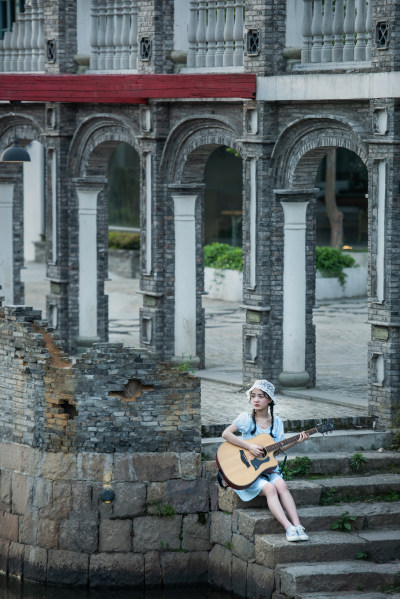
x,y
215,33
114,35
23,48
337,31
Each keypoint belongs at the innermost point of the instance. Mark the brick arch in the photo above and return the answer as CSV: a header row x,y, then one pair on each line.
x,y
301,147
190,145
94,142
25,126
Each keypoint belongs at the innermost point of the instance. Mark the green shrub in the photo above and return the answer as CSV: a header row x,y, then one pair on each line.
x,y
330,262
297,468
123,240
343,522
358,462
223,256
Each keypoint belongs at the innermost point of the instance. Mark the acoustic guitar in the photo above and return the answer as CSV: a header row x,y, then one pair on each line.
x,y
240,468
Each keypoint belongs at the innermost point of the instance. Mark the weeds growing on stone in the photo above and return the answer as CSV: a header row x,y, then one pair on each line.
x,y
358,462
343,522
164,510
297,468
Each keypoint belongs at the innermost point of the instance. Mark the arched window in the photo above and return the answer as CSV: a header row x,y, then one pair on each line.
x,y
8,12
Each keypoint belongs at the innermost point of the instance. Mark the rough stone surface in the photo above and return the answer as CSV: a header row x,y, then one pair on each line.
x,y
151,533
191,568
115,535
67,567
116,570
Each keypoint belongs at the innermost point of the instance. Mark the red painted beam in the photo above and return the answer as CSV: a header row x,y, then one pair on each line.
x,y
123,89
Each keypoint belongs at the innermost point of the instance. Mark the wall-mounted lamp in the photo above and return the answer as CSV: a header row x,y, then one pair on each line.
x,y
107,495
15,153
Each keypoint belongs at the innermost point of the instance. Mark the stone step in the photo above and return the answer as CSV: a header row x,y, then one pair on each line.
x,y
333,489
327,546
343,576
293,425
339,595
368,516
349,441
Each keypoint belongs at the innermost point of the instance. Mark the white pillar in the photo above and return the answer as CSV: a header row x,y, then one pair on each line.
x,y
149,213
253,223
87,223
185,276
33,198
380,217
6,241
294,295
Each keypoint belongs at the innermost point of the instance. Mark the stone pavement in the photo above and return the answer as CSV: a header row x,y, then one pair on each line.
x,y
342,336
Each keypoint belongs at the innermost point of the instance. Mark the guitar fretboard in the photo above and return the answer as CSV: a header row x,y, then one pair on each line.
x,y
280,444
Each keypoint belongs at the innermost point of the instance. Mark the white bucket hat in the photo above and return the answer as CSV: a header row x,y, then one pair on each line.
x,y
265,386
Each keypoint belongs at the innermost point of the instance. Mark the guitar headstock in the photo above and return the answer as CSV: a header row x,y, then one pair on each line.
x,y
325,427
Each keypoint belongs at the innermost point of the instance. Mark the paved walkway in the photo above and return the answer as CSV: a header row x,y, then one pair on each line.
x,y
342,336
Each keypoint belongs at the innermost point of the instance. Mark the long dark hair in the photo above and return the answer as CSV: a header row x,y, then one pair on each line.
x,y
271,411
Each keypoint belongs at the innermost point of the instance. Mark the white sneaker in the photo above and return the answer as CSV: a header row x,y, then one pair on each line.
x,y
301,533
291,533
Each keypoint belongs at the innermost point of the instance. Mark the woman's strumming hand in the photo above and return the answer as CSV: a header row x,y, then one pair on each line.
x,y
256,450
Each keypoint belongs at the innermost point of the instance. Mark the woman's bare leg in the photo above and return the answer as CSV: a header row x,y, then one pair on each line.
x,y
287,500
274,504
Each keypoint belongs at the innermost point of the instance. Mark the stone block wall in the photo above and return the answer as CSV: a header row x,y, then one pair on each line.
x,y
71,428
110,399
55,528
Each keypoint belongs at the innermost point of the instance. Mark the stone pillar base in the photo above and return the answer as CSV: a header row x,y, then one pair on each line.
x,y
294,379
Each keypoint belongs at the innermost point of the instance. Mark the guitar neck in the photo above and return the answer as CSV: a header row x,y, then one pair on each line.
x,y
285,442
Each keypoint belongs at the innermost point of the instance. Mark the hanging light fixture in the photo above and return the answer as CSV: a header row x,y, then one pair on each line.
x,y
15,153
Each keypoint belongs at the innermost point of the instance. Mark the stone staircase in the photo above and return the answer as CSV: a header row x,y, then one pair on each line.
x,y
252,557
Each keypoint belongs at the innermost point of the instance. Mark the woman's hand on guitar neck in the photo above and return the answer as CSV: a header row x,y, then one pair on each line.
x,y
303,437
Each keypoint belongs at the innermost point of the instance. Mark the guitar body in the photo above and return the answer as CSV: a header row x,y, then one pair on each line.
x,y
239,467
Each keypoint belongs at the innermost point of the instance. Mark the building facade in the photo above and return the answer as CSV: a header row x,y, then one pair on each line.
x,y
280,83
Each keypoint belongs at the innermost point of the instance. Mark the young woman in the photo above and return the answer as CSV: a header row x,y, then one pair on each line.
x,y
262,420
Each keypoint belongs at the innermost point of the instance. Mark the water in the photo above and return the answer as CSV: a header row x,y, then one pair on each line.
x,y
14,589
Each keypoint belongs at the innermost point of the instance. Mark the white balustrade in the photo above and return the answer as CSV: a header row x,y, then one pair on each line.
x,y
327,23
336,31
316,30
228,33
215,33
361,31
22,48
118,35
125,30
238,34
133,41
109,39
201,35
113,36
27,55
210,35
20,41
7,51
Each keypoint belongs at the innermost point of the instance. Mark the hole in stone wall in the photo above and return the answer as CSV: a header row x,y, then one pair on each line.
x,y
69,409
131,391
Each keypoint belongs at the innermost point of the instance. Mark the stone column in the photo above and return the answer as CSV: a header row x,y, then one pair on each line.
x,y
185,276
294,204
87,191
6,239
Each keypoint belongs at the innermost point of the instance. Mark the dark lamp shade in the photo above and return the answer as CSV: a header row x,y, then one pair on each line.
x,y
15,154
107,495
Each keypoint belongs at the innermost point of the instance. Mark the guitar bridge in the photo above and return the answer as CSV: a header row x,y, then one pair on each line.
x,y
244,459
